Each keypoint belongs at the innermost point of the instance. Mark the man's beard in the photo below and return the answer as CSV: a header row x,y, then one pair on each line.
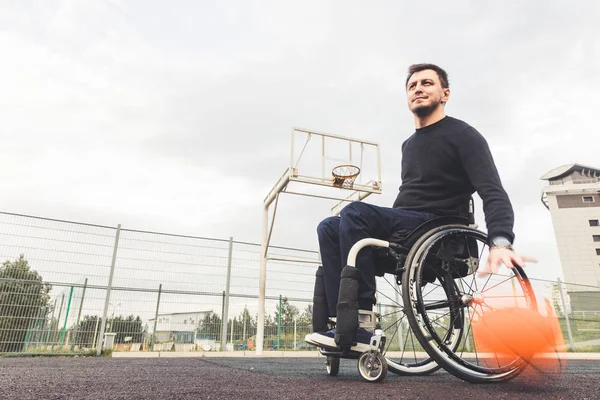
x,y
423,112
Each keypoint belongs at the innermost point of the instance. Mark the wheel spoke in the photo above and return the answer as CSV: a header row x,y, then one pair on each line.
x,y
389,342
389,298
393,312
499,283
469,286
441,316
444,323
435,286
486,282
412,341
393,286
474,344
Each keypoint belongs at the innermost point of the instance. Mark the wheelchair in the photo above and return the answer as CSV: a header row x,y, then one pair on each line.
x,y
432,273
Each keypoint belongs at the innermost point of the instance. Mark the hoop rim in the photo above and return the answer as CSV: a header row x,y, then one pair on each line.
x,y
346,176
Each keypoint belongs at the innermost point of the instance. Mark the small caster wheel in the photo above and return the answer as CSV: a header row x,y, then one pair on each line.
x,y
372,366
333,365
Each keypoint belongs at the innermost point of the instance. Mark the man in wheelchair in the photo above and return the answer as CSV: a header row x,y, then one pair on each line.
x,y
443,163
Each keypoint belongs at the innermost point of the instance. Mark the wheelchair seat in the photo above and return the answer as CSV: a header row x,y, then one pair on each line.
x,y
408,240
385,264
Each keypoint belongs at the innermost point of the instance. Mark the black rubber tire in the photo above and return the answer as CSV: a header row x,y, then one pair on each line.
x,y
364,363
451,362
425,367
333,365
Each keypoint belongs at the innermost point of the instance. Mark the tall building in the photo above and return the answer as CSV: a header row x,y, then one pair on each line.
x,y
573,198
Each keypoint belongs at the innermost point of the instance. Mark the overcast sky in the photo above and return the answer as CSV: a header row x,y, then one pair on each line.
x,y
176,116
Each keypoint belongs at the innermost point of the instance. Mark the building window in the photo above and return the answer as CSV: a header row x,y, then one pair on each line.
x,y
598,252
596,238
593,222
588,199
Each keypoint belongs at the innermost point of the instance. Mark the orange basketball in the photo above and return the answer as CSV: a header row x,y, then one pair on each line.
x,y
509,333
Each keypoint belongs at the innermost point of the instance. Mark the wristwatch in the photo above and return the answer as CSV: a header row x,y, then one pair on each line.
x,y
501,242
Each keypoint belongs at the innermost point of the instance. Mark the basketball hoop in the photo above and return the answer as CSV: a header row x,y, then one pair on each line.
x,y
344,175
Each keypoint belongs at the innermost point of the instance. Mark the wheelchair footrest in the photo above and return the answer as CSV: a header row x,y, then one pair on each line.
x,y
368,319
341,353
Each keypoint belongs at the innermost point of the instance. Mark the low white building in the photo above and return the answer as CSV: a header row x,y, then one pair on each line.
x,y
178,327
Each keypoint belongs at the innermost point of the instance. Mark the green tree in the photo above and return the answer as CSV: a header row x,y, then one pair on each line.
x,y
288,313
244,326
305,319
86,330
24,303
124,327
210,327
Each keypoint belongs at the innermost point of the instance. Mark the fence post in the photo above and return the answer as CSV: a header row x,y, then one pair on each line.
x,y
49,334
295,322
244,329
43,319
225,312
55,335
108,289
96,329
279,325
262,284
566,314
156,318
76,337
33,328
64,330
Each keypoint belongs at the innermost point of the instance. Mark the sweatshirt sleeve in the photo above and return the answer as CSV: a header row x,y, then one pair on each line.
x,y
479,166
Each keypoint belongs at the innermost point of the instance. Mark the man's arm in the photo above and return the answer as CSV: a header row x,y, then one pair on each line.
x,y
478,163
480,168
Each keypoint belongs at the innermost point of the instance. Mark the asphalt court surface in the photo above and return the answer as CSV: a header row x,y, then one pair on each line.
x,y
263,378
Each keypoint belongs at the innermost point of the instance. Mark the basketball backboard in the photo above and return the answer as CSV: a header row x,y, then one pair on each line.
x,y
314,157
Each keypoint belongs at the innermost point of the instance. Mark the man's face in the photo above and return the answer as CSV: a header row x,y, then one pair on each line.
x,y
425,93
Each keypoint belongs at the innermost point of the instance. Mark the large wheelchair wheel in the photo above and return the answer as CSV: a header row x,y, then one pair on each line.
x,y
444,295
404,353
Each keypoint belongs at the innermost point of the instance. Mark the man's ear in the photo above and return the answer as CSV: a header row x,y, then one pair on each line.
x,y
446,95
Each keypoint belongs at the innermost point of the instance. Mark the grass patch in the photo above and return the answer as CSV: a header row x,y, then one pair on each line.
x,y
89,353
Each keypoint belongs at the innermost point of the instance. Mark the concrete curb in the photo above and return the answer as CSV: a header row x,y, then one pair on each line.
x,y
292,354
217,354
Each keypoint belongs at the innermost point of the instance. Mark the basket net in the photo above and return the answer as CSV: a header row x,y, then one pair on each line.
x,y
344,175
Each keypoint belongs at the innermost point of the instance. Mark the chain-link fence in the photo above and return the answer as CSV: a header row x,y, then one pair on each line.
x,y
69,287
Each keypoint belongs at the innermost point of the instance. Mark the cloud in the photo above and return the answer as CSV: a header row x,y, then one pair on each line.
x,y
178,118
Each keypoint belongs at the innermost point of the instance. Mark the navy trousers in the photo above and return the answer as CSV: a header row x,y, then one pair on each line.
x,y
357,221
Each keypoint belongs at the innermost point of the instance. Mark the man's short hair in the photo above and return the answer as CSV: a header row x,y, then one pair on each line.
x,y
421,67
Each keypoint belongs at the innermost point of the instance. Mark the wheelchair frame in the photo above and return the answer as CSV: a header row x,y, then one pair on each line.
x,y
411,255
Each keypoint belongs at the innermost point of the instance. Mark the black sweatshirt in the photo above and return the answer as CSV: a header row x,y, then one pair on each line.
x,y
443,164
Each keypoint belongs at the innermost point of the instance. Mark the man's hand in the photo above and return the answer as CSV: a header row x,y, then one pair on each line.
x,y
503,255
